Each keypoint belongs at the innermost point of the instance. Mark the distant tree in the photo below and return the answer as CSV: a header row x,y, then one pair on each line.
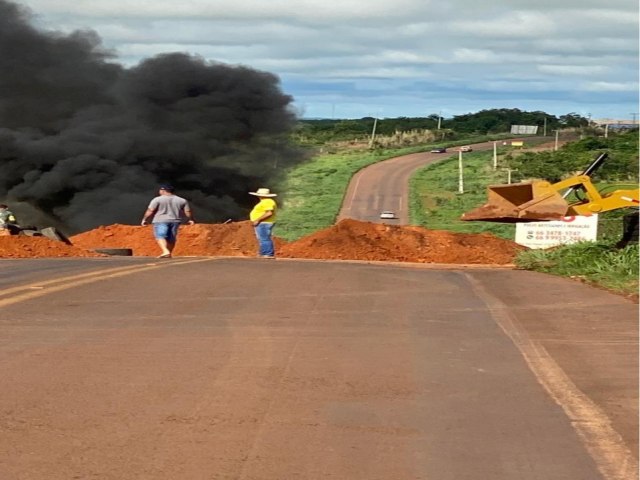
x,y
481,123
498,120
573,120
622,164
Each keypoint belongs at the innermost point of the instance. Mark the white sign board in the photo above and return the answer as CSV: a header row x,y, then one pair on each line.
x,y
524,129
561,232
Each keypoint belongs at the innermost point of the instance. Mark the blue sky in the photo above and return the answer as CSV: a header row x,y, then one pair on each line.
x,y
356,58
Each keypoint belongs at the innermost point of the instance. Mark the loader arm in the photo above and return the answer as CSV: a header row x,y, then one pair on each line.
x,y
611,201
541,200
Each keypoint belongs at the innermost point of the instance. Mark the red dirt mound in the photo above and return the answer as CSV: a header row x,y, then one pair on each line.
x,y
18,246
354,240
227,239
348,240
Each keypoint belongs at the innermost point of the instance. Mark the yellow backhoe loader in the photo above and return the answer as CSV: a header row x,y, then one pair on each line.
x,y
540,200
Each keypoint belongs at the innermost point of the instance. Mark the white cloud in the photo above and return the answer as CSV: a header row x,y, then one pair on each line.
x,y
512,25
620,17
611,86
222,9
497,50
470,55
572,70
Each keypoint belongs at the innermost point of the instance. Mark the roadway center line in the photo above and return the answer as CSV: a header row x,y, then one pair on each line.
x,y
44,284
39,289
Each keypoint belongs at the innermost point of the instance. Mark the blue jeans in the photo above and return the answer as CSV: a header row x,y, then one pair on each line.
x,y
263,234
166,231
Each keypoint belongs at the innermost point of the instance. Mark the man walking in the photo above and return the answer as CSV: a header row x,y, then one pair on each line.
x,y
167,211
263,217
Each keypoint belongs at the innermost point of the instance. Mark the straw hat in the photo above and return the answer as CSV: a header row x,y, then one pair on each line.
x,y
263,192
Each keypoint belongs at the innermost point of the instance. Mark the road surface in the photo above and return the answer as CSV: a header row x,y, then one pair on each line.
x,y
384,186
201,368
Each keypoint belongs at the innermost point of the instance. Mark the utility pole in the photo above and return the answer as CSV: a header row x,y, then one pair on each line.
x,y
606,130
460,177
440,119
373,132
634,116
544,133
509,170
555,147
495,155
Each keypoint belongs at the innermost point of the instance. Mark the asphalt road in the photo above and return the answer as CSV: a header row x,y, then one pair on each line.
x,y
384,186
199,368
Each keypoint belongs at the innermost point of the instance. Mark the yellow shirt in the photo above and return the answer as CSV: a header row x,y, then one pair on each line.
x,y
264,205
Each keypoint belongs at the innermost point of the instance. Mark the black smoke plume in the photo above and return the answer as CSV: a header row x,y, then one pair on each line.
x,y
85,141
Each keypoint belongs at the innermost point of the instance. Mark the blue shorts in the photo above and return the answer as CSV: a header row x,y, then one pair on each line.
x,y
166,231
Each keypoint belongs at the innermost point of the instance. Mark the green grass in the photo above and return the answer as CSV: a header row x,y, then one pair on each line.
x,y
435,204
312,192
435,201
597,263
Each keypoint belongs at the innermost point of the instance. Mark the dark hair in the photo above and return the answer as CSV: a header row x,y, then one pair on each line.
x,y
2,205
168,188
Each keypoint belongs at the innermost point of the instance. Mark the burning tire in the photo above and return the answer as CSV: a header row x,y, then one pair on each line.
x,y
118,252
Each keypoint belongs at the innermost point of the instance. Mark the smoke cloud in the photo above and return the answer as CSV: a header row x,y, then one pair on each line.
x,y
85,141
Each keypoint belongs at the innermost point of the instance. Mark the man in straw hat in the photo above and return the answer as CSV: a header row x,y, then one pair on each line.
x,y
263,217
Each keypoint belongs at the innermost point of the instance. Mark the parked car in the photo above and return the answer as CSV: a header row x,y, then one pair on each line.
x,y
466,148
439,150
388,214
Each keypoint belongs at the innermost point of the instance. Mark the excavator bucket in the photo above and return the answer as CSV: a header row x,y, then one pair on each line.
x,y
520,202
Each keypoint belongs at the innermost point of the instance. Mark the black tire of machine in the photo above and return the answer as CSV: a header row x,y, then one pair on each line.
x,y
629,230
119,252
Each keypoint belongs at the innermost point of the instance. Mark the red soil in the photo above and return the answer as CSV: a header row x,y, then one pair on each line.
x,y
354,240
226,239
347,240
32,247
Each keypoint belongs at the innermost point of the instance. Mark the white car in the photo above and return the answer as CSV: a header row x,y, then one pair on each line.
x,y
388,215
466,148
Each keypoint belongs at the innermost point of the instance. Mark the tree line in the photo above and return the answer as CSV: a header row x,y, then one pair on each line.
x,y
621,165
481,123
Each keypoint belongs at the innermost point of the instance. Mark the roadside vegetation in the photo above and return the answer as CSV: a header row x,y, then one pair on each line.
x,y
435,203
313,192
597,263
458,127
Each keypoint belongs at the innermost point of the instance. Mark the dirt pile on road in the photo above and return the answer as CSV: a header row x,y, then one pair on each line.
x,y
227,239
347,240
34,247
354,240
